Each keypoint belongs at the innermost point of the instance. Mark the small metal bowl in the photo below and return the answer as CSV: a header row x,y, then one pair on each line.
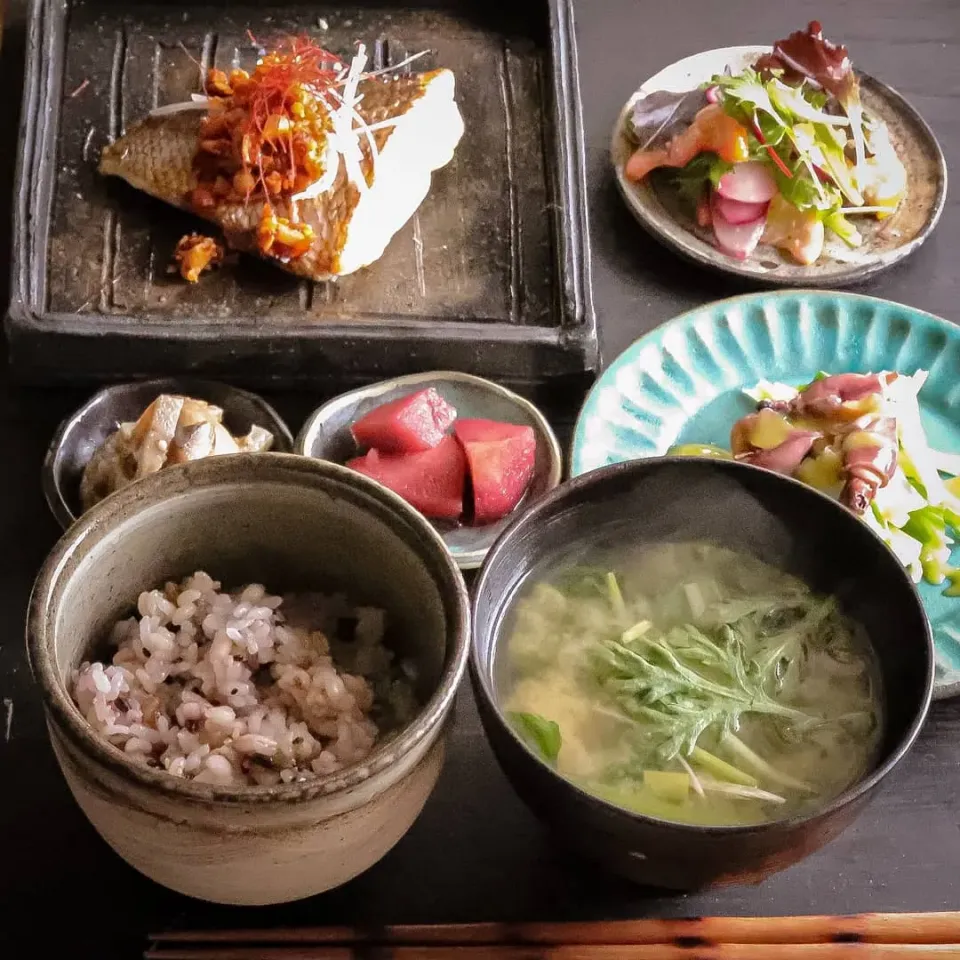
x,y
326,436
80,434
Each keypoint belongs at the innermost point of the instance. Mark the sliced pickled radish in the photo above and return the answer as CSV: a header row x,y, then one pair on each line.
x,y
749,182
736,212
736,239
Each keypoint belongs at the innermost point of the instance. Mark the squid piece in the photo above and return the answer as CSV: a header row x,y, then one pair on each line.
x,y
786,457
767,439
843,397
869,462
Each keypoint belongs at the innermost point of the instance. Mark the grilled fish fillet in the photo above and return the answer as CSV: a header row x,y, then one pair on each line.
x,y
352,228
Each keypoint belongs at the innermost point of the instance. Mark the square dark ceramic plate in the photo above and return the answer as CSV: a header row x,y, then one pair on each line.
x,y
491,276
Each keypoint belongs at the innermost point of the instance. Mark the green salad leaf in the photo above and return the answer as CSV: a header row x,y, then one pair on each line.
x,y
931,526
688,679
693,679
793,106
843,228
746,98
802,191
831,147
690,181
541,734
802,144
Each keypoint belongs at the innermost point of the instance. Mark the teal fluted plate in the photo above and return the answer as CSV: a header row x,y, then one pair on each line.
x,y
683,383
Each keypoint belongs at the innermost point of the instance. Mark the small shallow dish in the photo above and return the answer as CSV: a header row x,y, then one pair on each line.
x,y
80,434
886,242
289,523
683,383
780,521
326,435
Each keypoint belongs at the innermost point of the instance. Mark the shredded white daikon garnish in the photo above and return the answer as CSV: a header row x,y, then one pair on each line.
x,y
766,390
393,68
343,135
182,107
331,164
349,126
383,124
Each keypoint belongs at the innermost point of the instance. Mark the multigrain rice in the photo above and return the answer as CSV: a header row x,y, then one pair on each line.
x,y
230,689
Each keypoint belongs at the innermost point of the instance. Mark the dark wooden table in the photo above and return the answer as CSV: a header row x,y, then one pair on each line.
x,y
476,853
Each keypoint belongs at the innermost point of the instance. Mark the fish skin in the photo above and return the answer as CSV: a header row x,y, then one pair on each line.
x,y
156,157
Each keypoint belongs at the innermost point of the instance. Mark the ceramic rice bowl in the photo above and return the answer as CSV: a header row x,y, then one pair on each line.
x,y
292,524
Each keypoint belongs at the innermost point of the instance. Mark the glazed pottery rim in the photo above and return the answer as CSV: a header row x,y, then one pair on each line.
x,y
662,329
857,272
466,559
211,472
480,673
307,434
50,480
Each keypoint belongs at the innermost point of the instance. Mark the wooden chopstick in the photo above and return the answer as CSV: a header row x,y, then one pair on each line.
x,y
714,951
872,928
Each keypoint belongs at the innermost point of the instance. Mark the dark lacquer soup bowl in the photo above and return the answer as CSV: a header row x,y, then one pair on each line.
x,y
753,512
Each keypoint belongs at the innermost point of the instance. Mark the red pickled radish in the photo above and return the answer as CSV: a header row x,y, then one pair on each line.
x,y
432,481
737,239
749,182
736,212
501,459
410,424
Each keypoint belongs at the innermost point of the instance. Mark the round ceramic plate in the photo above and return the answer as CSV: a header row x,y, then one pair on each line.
x,y
326,435
885,241
684,383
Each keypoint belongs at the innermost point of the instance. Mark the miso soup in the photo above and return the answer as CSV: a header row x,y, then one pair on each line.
x,y
691,683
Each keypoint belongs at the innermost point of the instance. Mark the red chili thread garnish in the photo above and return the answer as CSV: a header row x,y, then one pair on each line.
x,y
83,86
280,73
278,79
265,134
774,156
